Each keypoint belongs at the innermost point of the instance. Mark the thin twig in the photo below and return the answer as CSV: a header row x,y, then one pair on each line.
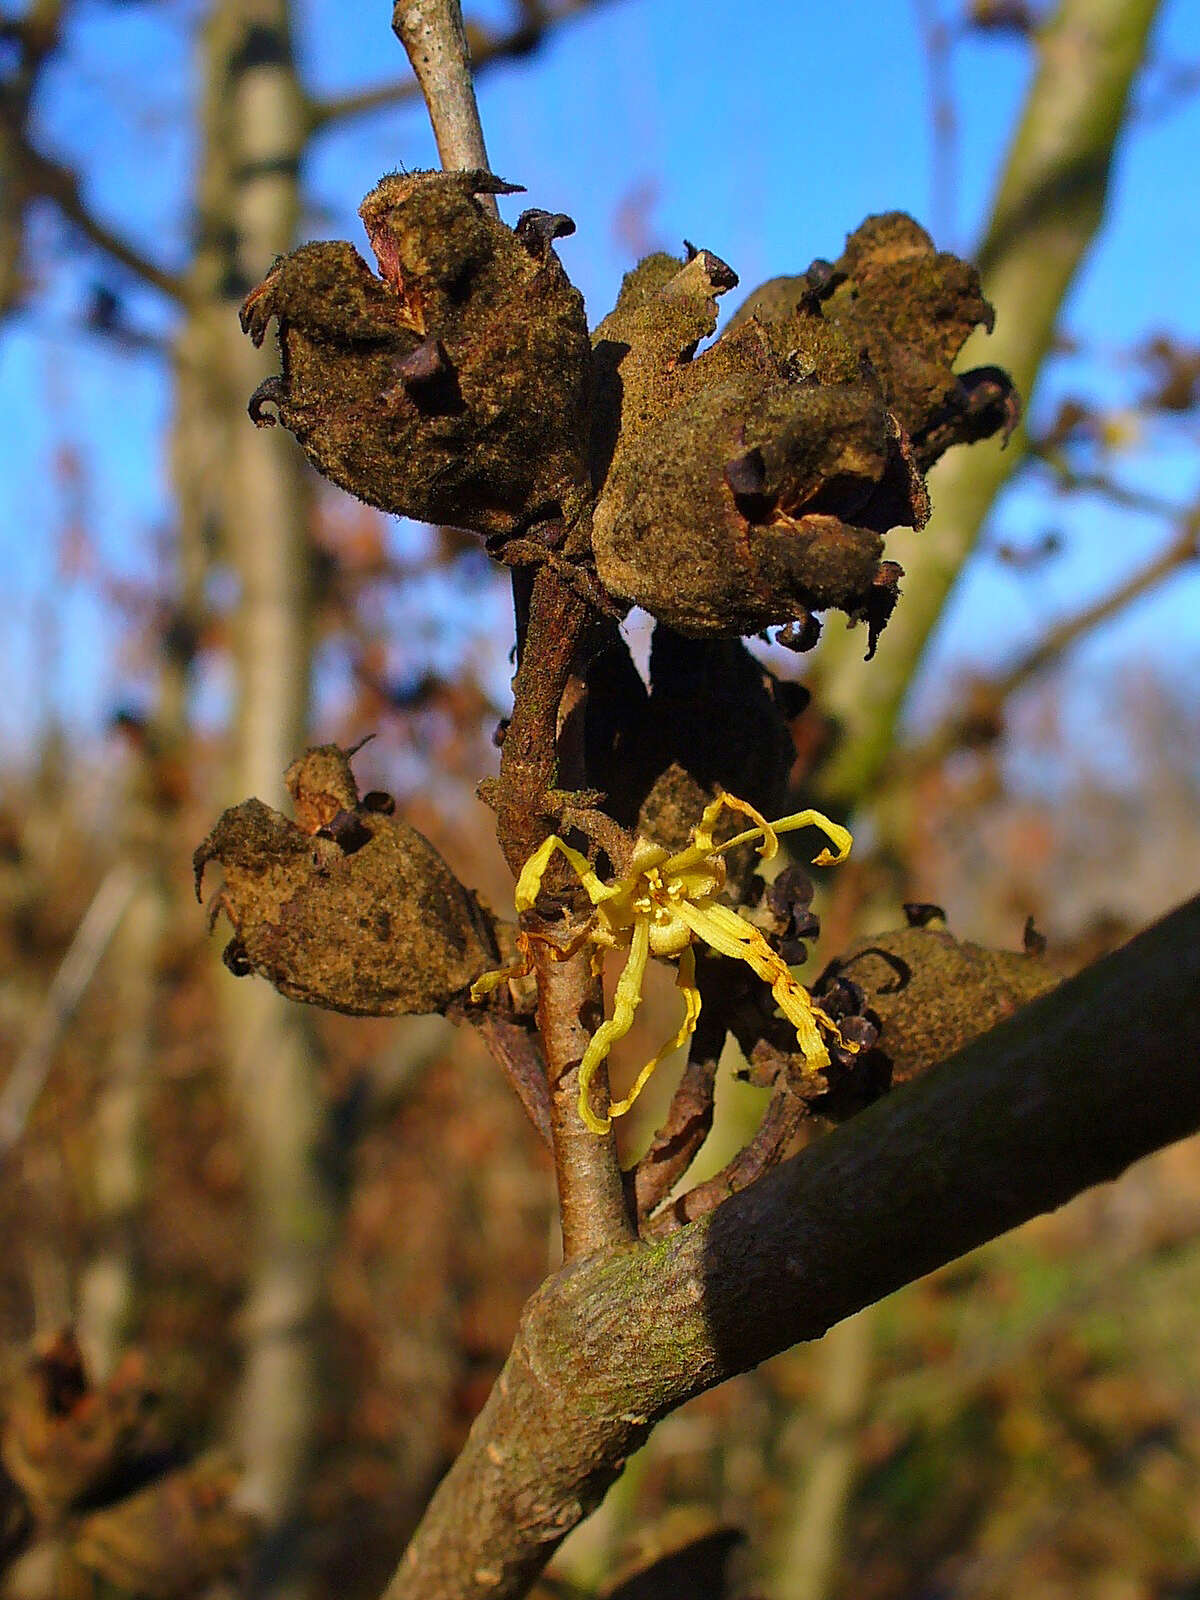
x,y
432,33
987,698
1069,480
943,115
786,1112
61,186
688,1123
551,629
92,938
513,1044
486,50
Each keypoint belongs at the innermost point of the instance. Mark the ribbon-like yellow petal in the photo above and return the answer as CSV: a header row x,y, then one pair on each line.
x,y
837,835
730,935
529,884
626,1000
685,981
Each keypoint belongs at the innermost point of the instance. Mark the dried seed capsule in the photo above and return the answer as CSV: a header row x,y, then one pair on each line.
x,y
932,994
909,309
353,910
747,486
453,387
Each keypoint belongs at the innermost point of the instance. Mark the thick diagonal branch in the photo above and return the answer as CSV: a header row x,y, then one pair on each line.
x,y
1067,1093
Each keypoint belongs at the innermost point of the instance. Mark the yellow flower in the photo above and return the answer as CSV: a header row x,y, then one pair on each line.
x,y
661,906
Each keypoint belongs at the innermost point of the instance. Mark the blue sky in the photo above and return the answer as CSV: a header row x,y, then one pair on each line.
x,y
764,132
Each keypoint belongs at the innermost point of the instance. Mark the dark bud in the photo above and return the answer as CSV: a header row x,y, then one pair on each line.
x,y
920,913
270,392
746,476
795,951
1033,941
821,279
993,404
720,274
347,831
499,732
801,634
537,230
378,800
430,380
235,958
843,998
793,699
422,365
791,891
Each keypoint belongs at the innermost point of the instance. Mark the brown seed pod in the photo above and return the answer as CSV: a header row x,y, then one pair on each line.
x,y
453,387
932,993
909,309
170,1539
749,485
354,910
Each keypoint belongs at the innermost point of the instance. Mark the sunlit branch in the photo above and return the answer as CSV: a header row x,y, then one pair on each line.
x,y
486,49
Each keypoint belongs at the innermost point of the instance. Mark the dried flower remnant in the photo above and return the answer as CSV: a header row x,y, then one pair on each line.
x,y
173,1538
753,484
451,388
662,905
67,1442
930,994
347,907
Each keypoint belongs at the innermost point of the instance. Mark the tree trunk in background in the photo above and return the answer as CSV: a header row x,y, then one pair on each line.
x,y
256,128
111,1281
1047,212
820,1451
1048,209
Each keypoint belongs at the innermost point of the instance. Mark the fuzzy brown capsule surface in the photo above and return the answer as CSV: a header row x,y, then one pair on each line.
x,y
347,908
452,387
754,483
931,993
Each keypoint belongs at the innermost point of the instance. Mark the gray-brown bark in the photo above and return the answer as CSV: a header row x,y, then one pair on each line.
x,y
1066,1094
